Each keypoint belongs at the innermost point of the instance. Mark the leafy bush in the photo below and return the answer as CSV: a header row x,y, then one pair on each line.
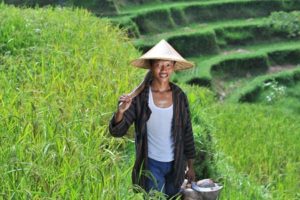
x,y
288,22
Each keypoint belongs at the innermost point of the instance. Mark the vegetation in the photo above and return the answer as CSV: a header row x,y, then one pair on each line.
x,y
103,7
232,49
60,78
62,71
148,18
287,22
257,151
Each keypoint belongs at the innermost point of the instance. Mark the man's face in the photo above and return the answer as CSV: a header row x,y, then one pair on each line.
x,y
162,69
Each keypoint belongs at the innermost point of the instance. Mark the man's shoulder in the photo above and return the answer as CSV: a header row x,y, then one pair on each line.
x,y
178,90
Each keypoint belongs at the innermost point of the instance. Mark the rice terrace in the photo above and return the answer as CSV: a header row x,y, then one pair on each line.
x,y
64,64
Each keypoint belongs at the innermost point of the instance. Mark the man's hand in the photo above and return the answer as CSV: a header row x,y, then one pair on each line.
x,y
190,174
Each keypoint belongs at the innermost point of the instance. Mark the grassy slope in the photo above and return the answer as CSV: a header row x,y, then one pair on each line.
x,y
254,145
60,79
257,151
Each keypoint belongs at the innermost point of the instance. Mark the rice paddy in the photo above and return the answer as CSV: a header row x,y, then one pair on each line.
x,y
63,69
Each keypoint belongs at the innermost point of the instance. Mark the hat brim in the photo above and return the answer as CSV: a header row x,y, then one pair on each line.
x,y
179,65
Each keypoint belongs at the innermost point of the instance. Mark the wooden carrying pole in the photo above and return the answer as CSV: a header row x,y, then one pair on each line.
x,y
140,87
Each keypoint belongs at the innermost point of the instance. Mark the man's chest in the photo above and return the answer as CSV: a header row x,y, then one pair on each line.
x,y
162,100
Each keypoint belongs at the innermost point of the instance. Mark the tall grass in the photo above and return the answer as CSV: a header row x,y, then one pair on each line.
x,y
257,151
61,72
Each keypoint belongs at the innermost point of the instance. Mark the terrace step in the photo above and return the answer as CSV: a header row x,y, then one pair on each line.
x,y
250,92
280,53
170,16
145,42
152,6
216,37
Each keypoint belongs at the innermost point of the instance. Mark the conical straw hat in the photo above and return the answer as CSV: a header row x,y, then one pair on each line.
x,y
162,51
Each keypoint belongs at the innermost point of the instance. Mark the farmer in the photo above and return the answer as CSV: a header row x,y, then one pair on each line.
x,y
163,131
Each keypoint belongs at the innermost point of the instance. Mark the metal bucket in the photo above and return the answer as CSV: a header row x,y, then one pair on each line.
x,y
196,192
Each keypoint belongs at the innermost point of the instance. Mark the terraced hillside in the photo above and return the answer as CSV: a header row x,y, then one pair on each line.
x,y
60,81
244,56
219,35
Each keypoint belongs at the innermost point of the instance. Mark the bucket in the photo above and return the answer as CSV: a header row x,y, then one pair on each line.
x,y
202,190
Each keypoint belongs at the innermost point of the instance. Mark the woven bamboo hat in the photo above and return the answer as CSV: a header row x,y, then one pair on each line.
x,y
162,51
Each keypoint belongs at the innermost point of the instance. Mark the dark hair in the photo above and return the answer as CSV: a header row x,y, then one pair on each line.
x,y
151,61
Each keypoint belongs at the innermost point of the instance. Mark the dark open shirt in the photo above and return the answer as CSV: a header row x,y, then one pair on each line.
x,y
138,113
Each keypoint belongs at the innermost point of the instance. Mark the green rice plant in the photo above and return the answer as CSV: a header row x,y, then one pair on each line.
x,y
259,143
128,25
61,72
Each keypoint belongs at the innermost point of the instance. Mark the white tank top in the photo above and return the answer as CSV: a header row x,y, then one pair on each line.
x,y
160,141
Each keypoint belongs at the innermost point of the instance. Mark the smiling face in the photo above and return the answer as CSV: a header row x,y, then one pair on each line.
x,y
162,69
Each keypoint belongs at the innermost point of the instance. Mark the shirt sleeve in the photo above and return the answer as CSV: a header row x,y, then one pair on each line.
x,y
189,146
121,128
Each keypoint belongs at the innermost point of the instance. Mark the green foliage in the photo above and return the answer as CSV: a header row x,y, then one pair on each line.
x,y
61,73
275,91
178,16
154,22
210,39
241,66
199,100
252,91
260,144
195,43
288,22
246,34
99,7
186,13
128,25
204,81
285,56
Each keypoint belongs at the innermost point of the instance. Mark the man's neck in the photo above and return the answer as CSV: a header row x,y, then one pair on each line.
x,y
157,86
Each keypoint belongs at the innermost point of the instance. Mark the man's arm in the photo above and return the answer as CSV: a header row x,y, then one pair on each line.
x,y
122,120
